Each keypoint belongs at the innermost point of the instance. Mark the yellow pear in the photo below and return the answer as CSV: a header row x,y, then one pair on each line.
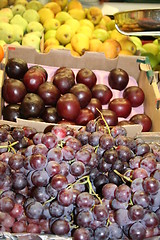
x,y
74,4
64,34
77,13
94,45
73,23
22,2
62,17
125,52
55,7
110,25
87,22
86,30
80,43
51,24
53,46
127,44
51,41
94,14
109,49
62,3
136,40
45,14
114,34
3,3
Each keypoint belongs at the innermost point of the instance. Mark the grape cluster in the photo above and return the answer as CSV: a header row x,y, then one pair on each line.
x,y
93,184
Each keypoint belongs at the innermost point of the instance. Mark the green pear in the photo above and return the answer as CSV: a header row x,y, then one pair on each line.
x,y
36,33
62,16
49,34
18,19
100,34
35,26
151,48
31,41
7,12
23,2
31,15
64,34
2,43
136,40
16,43
18,9
33,4
6,32
18,33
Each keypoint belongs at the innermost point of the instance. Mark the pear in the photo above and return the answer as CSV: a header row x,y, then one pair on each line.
x,y
64,34
100,34
51,23
127,44
6,32
4,19
54,7
86,30
34,26
18,33
80,43
94,44
33,4
61,3
23,2
45,14
51,41
31,15
62,17
31,41
151,48
36,33
11,2
136,40
94,14
87,22
2,43
114,34
7,12
3,3
18,19
15,43
18,9
50,34
73,23
77,13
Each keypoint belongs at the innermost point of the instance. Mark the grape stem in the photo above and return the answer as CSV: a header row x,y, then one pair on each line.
x,y
86,181
10,146
123,176
104,121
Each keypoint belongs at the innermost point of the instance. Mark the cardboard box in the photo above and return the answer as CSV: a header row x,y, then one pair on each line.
x,y
96,61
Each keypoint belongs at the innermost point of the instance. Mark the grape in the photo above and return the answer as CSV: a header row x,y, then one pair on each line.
x,y
142,149
18,133
110,156
59,181
65,197
149,164
139,173
81,234
103,166
136,212
60,227
65,167
100,212
100,181
150,219
37,137
40,178
84,218
85,200
102,233
8,221
55,209
114,178
106,141
151,185
68,153
38,161
3,134
16,161
141,198
135,162
77,168
83,156
136,185
137,231
19,181
124,153
60,131
6,204
123,193
121,217
40,149
29,131
74,143
94,138
55,154
108,191
17,211
156,174
34,210
118,130
53,168
115,204
115,231
19,227
49,140
83,136
40,194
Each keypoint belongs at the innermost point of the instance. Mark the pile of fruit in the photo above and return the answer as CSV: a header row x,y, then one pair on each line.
x,y
68,25
71,96
93,184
